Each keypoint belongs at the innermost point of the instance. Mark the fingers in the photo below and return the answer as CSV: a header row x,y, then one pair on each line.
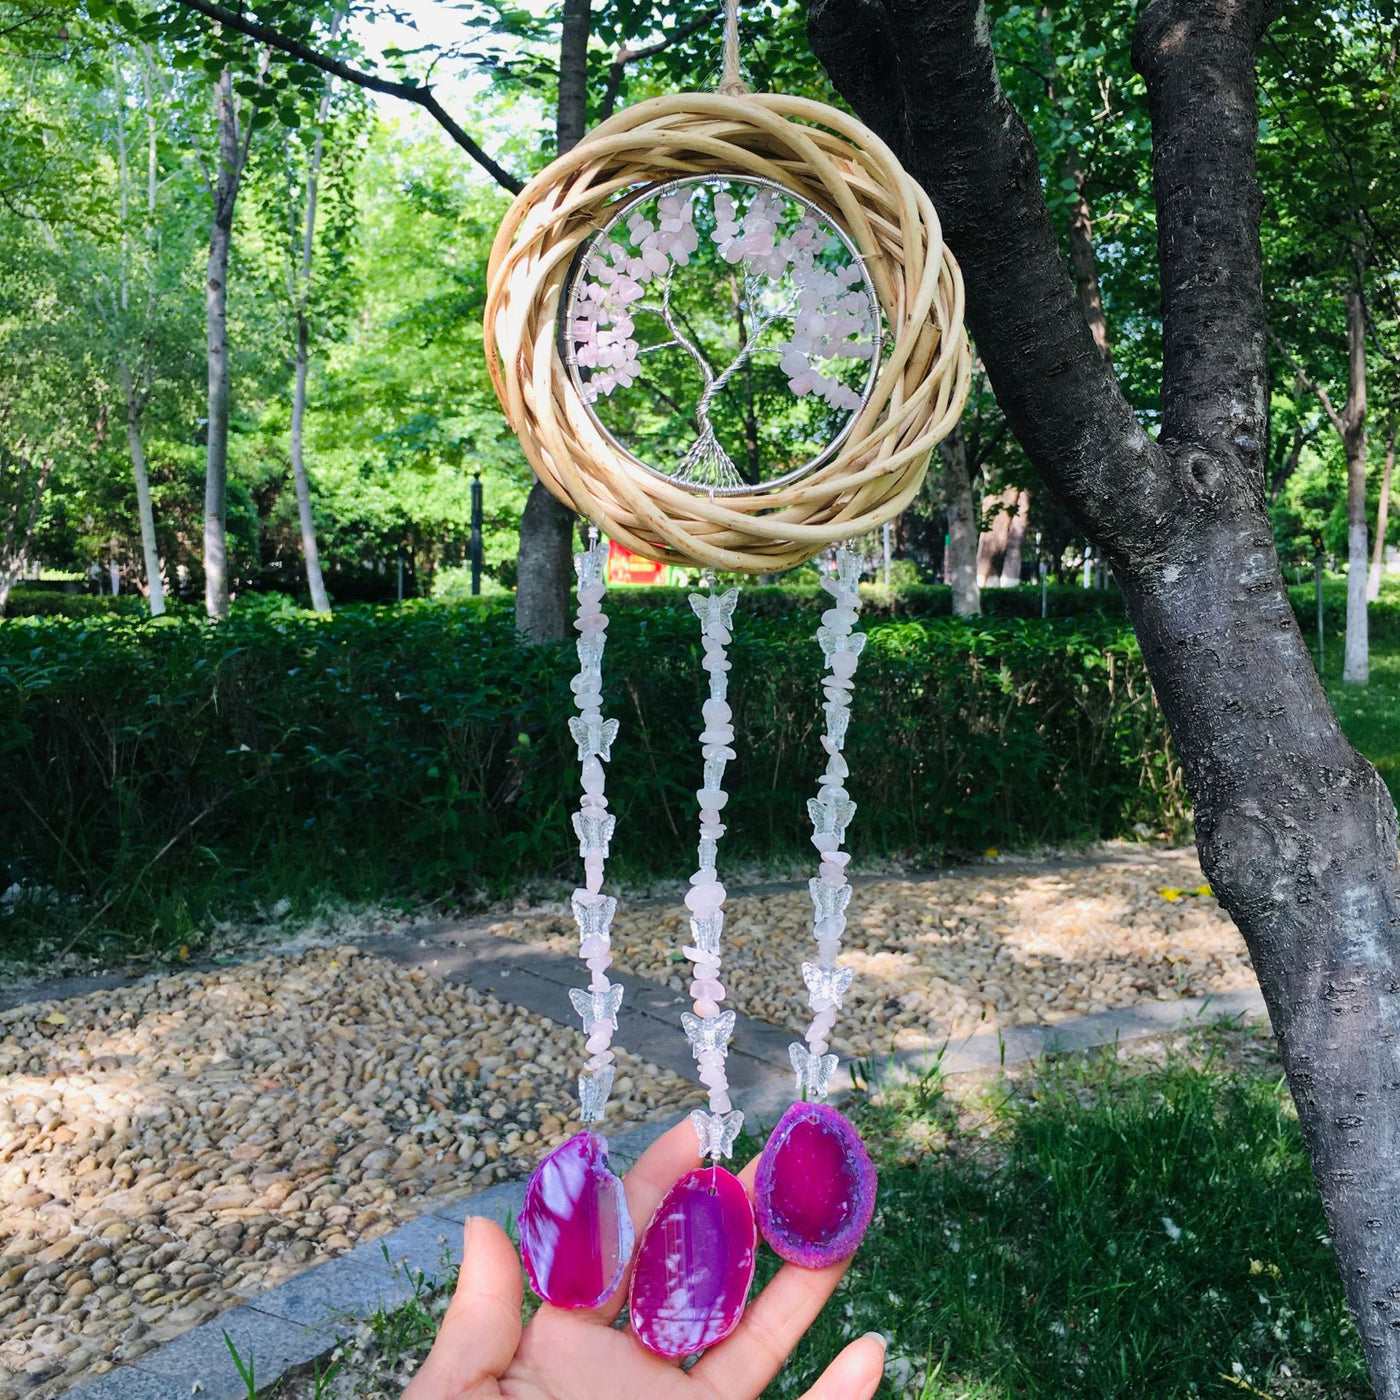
x,y
481,1331
775,1322
856,1372
673,1154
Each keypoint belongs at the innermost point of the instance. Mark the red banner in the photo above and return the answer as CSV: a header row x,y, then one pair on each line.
x,y
627,568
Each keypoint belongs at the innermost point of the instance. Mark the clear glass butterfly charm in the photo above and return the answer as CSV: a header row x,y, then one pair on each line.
x,y
591,565
707,1033
705,935
830,901
832,641
826,985
594,737
717,1132
594,917
830,815
594,832
597,1008
715,609
594,1088
813,1071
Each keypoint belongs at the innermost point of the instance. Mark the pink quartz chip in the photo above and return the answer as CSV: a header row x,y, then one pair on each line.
x,y
575,1232
694,1265
814,1193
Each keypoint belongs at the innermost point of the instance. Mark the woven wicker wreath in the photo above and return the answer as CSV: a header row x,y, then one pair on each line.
x,y
822,156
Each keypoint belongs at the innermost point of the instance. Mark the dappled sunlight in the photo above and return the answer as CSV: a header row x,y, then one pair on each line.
x,y
1004,944
171,1147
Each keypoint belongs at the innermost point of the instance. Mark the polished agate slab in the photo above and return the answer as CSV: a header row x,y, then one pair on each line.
x,y
695,1264
575,1232
814,1192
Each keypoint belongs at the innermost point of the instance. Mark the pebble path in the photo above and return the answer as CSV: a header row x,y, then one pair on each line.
x,y
172,1147
1001,945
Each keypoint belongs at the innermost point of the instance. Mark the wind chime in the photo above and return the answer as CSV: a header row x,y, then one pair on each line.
x,y
727,332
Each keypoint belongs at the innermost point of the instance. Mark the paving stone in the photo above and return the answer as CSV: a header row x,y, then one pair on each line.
x,y
127,1383
335,1293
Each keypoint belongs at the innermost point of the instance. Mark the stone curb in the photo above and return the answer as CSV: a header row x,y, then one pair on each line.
x,y
296,1324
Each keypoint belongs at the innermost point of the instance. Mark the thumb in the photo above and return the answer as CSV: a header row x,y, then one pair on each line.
x,y
856,1372
481,1331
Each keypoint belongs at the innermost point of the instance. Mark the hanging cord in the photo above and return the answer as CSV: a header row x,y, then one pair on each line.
x,y
731,84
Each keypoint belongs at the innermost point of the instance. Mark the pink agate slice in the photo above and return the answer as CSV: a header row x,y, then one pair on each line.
x,y
575,1231
814,1192
694,1265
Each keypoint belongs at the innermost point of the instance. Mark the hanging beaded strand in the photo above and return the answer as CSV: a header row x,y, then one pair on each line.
x,y
707,1027
597,1006
830,812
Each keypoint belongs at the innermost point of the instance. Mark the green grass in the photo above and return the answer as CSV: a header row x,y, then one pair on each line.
x,y
1100,1227
1369,714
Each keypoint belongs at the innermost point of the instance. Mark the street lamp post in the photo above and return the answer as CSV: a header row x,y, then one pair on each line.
x,y
476,534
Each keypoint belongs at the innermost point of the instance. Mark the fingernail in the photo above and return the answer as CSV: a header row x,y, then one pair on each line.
x,y
879,1337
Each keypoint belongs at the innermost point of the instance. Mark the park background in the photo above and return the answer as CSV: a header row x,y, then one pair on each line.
x,y
180,787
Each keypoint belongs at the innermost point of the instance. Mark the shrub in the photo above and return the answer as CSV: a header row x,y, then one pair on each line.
x,y
46,602
158,765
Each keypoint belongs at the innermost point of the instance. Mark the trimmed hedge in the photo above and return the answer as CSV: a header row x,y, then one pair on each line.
x,y
53,602
423,750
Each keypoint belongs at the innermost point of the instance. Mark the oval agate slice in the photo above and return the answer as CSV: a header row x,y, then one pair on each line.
x,y
694,1265
815,1189
575,1232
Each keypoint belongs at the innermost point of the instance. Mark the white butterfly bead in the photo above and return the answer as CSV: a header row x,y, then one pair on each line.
x,y
813,1071
593,1092
707,1033
716,1132
830,815
594,917
715,609
591,564
597,1008
594,737
830,901
594,833
826,985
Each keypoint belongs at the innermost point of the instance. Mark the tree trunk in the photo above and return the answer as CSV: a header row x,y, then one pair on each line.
x,y
1373,583
1015,539
216,585
315,583
1356,667
991,546
1081,256
1297,833
20,527
545,567
155,589
962,526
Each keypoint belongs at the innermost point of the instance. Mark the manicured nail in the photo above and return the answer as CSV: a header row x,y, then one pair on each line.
x,y
879,1337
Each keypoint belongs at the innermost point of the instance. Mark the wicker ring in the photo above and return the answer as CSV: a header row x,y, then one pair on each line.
x,y
845,170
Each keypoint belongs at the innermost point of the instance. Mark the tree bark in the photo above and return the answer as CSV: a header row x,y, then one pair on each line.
x,y
1373,582
1356,666
311,552
1015,537
1081,256
962,526
150,550
1296,832
225,193
544,566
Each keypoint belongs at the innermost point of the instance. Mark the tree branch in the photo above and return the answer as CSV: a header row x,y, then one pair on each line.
x,y
407,92
626,56
1200,58
923,75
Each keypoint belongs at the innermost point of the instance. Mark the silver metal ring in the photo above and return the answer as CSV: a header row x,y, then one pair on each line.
x,y
568,305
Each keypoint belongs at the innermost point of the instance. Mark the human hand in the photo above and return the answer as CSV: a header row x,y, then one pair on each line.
x,y
482,1352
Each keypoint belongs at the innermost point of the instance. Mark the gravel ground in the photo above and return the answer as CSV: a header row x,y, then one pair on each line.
x,y
172,1147
1009,944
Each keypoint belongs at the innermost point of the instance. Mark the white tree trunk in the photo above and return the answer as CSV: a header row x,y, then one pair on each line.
x,y
1373,582
962,526
1356,667
155,590
314,580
